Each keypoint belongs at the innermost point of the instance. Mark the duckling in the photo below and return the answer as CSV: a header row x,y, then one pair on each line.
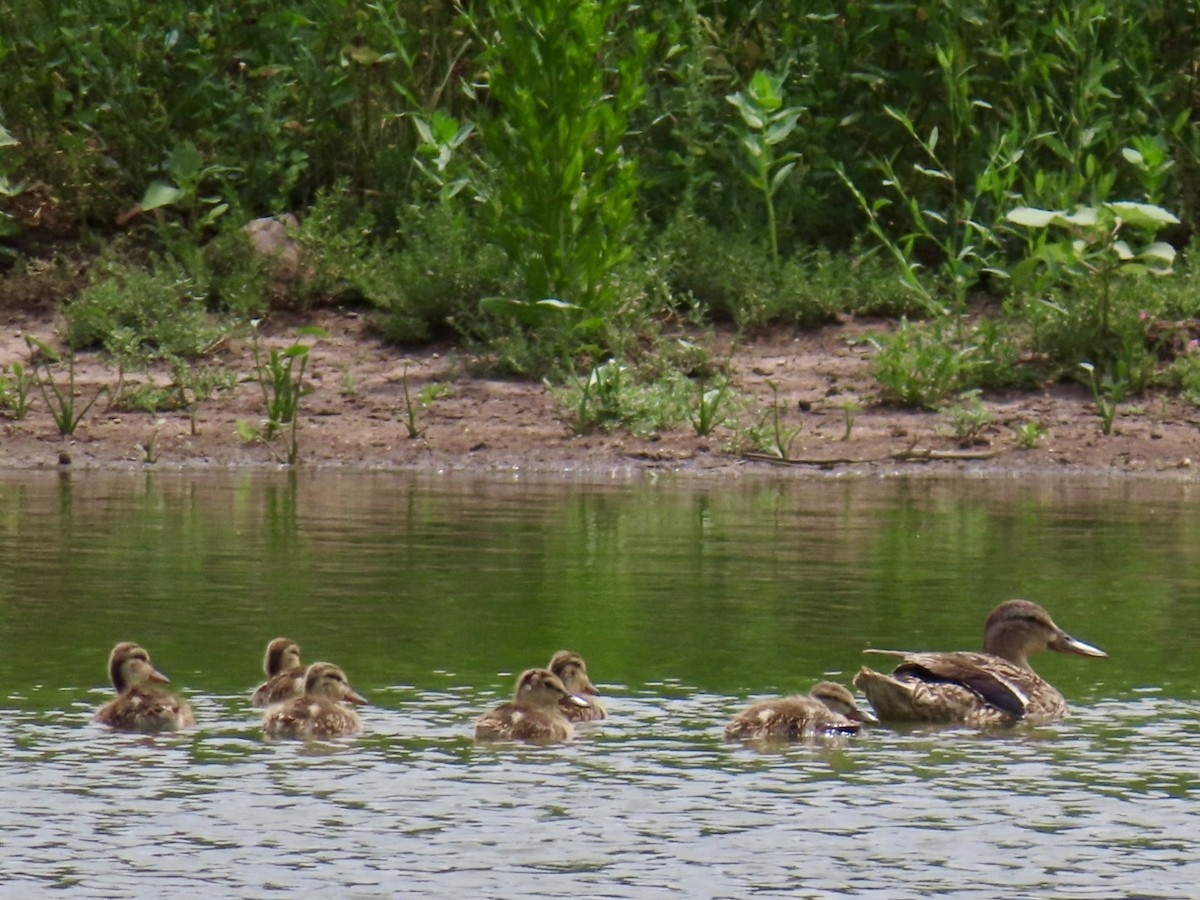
x,y
533,714
994,688
572,671
285,675
139,707
828,709
320,712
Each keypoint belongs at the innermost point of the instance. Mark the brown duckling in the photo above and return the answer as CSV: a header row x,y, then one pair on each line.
x,y
285,674
572,671
533,714
138,706
995,687
321,711
828,709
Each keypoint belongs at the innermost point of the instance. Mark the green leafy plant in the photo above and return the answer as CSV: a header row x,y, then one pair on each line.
x,y
561,189
766,123
15,388
65,408
9,162
968,417
281,376
429,392
597,396
850,408
1029,434
186,174
923,364
441,137
710,408
781,436
1087,256
1107,391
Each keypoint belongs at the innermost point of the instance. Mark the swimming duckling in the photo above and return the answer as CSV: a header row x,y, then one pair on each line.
x,y
994,688
572,671
285,675
828,709
320,712
138,706
533,714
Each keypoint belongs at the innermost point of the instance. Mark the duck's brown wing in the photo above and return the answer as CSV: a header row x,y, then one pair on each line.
x,y
280,687
992,679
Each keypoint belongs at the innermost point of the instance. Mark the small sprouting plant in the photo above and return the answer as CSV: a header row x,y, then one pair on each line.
x,y
781,436
1108,391
15,388
710,408
767,123
281,376
429,392
850,408
60,400
597,398
1029,434
967,417
149,447
441,135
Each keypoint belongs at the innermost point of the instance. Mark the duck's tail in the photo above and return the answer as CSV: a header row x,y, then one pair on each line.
x,y
891,698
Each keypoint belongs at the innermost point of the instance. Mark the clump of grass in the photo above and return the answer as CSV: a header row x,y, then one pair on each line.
x,y
64,407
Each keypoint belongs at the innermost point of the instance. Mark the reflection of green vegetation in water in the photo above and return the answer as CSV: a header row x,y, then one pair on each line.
x,y
752,587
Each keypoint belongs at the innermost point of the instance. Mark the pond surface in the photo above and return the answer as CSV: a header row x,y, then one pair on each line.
x,y
688,599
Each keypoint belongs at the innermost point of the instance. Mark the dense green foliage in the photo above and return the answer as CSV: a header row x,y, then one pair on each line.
x,y
546,179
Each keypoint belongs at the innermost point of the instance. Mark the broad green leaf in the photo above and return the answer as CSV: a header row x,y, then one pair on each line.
x,y
781,175
1083,216
1159,250
1132,156
1143,215
1031,216
1122,250
158,194
6,138
185,162
781,128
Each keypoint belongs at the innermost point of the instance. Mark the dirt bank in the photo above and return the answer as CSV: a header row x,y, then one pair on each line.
x,y
355,418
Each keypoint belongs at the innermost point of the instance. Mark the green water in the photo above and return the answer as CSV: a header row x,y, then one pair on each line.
x,y
687,599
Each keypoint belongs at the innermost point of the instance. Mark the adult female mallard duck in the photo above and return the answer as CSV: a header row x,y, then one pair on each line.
x,y
828,709
572,671
321,711
533,714
138,706
285,675
995,687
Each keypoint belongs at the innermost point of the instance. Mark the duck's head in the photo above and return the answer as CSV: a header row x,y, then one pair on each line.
x,y
572,671
1017,628
841,701
129,664
542,688
323,679
282,654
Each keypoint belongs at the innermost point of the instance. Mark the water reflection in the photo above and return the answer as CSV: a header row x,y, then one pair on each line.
x,y
688,601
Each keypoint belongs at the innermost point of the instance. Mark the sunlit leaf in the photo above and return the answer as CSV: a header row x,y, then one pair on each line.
x,y
1143,215
160,193
1031,216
